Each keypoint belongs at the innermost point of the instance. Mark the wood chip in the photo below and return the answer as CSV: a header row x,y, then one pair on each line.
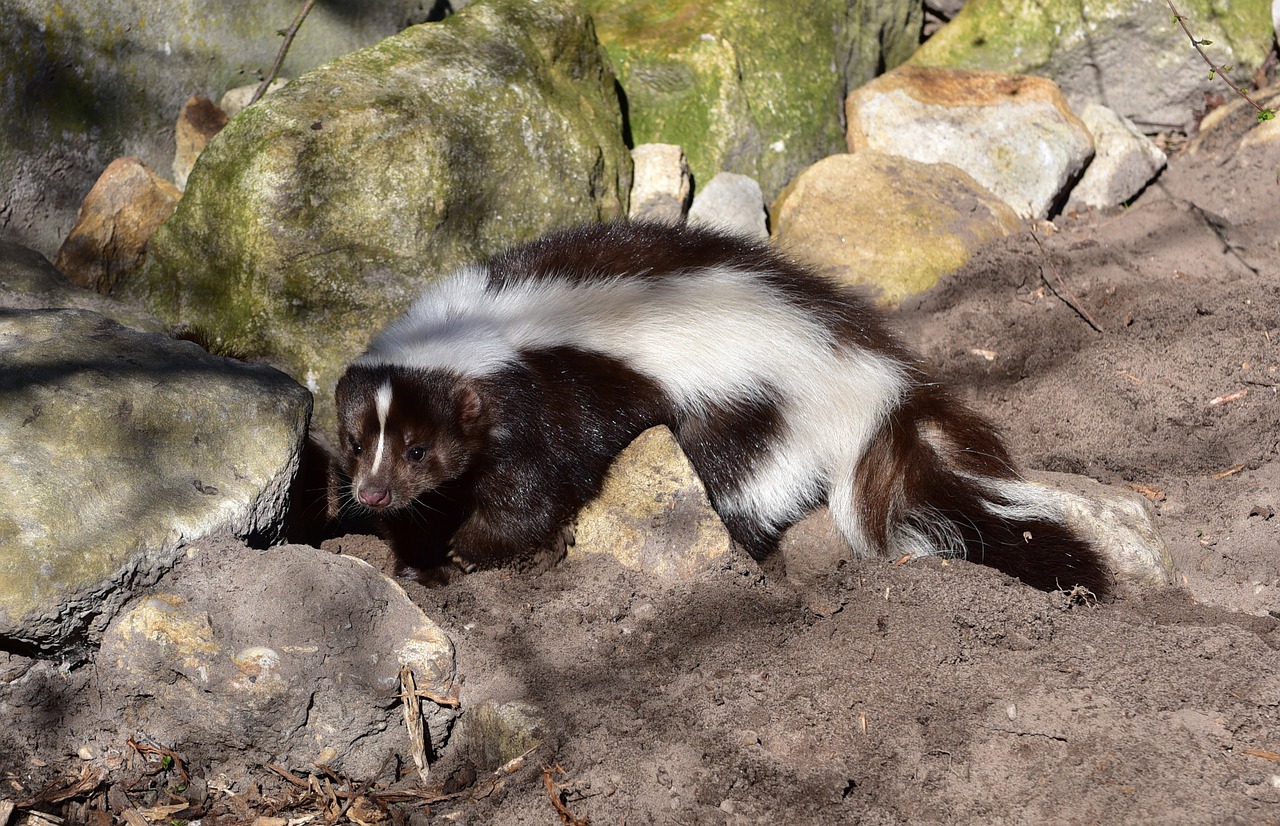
x,y
1230,397
1154,494
1231,471
1265,755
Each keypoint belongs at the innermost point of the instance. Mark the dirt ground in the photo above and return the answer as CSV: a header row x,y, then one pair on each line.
x,y
1141,348
940,692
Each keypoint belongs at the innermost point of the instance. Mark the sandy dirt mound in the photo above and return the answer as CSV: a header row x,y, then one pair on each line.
x,y
943,692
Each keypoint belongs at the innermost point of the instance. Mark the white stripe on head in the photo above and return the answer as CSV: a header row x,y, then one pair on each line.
x,y
382,404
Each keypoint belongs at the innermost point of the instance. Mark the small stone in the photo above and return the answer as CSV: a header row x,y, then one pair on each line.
x,y
1125,161
731,202
1119,523
661,186
198,122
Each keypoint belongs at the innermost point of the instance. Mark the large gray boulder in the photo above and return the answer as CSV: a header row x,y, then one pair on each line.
x,y
289,656
85,83
117,448
29,282
315,216
240,658
1125,54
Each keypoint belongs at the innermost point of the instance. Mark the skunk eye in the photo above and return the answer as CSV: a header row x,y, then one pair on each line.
x,y
416,454
356,448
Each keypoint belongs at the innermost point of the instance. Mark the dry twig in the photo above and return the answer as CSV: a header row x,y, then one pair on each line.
x,y
566,817
1069,299
1231,471
288,35
145,749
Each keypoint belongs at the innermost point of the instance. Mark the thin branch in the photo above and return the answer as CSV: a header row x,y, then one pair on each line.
x,y
1264,114
1069,299
289,34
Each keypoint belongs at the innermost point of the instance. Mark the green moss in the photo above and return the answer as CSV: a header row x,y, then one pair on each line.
x,y
1022,36
747,86
315,216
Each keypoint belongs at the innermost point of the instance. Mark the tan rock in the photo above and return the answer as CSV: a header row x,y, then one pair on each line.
x,y
888,222
116,220
1126,161
1118,523
1015,134
653,514
660,186
198,122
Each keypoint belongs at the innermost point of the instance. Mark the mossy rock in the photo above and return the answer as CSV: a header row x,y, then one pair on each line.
x,y
749,86
1128,55
316,216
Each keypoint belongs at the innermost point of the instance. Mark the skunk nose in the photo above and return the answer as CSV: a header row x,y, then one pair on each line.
x,y
375,497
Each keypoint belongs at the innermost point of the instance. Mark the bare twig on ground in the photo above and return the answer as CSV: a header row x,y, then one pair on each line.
x,y
1068,298
1229,397
566,817
288,35
1231,471
172,756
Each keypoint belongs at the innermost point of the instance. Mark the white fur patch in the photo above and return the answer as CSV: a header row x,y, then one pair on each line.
x,y
382,404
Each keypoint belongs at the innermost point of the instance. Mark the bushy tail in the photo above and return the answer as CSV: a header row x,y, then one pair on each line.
x,y
937,479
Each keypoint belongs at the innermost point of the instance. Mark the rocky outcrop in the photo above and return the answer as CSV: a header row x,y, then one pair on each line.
x,y
241,658
1125,54
289,656
1015,134
314,216
117,448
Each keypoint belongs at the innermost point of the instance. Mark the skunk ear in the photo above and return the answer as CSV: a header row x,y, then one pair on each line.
x,y
472,411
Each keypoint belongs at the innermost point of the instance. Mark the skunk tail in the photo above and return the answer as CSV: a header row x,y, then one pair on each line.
x,y
937,479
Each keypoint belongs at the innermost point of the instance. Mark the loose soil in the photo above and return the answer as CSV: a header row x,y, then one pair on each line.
x,y
1139,347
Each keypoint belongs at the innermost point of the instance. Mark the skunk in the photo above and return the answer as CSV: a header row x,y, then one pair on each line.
x,y
478,424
